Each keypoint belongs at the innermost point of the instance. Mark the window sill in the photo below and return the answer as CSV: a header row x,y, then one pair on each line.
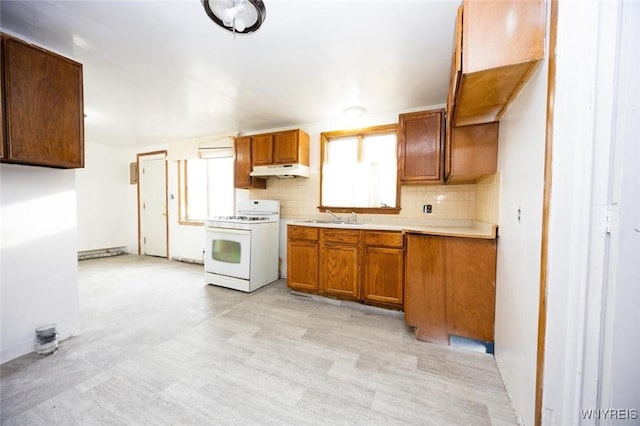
x,y
191,222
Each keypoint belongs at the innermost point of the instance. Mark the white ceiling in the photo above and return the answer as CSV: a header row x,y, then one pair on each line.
x,y
160,71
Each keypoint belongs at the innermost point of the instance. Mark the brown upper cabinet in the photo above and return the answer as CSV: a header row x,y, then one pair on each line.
x,y
471,153
42,107
242,166
497,46
420,140
285,147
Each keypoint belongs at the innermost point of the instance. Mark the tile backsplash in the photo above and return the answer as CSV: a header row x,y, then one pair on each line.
x,y
299,199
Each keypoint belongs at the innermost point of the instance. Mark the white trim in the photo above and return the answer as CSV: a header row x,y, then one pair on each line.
x,y
578,241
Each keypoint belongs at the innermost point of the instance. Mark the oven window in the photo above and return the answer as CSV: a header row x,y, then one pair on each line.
x,y
226,251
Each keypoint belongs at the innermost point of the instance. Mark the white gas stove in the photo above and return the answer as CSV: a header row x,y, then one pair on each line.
x,y
241,251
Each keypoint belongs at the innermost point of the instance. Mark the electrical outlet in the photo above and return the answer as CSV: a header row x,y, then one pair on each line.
x,y
427,208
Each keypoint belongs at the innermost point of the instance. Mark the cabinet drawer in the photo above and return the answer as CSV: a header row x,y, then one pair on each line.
x,y
340,236
383,239
303,232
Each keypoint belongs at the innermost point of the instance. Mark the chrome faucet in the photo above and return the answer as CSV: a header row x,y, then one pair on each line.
x,y
330,213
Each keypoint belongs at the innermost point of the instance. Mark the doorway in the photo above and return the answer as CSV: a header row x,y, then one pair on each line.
x,y
152,204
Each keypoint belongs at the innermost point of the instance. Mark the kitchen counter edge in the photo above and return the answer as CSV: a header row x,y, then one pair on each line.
x,y
475,229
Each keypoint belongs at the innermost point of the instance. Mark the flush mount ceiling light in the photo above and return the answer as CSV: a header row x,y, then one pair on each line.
x,y
237,16
354,111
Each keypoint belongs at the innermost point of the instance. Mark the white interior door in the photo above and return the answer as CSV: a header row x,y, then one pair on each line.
x,y
153,205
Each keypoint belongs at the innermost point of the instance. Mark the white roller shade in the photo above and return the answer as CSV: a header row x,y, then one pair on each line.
x,y
217,148
212,146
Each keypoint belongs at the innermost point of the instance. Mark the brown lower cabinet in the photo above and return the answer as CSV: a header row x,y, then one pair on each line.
x,y
346,264
450,287
383,268
340,263
303,258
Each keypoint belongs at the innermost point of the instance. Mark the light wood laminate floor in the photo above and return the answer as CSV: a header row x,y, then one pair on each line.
x,y
157,346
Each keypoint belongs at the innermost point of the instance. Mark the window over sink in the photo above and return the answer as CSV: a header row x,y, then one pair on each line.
x,y
359,170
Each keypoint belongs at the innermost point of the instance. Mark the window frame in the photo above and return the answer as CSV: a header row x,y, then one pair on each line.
x,y
359,133
183,195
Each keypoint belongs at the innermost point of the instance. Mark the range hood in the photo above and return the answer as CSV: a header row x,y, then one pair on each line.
x,y
281,170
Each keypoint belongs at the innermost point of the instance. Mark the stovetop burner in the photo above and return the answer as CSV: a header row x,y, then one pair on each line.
x,y
243,218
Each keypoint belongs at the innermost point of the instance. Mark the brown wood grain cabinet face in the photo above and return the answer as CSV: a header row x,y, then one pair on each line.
x,y
421,136
285,147
303,258
498,46
450,287
470,281
365,266
340,263
262,149
383,268
43,112
471,153
243,164
425,288
291,147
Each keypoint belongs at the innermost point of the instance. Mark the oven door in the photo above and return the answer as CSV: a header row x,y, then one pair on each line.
x,y
228,252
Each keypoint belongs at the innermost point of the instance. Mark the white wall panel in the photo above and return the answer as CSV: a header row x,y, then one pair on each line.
x,y
38,266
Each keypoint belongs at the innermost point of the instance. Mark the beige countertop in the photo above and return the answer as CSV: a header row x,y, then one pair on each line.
x,y
450,228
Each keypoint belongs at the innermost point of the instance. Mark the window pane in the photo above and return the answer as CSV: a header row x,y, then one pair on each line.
x,y
209,188
380,149
360,171
379,153
221,191
196,189
342,151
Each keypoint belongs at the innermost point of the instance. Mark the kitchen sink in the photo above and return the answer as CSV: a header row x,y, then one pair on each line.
x,y
330,222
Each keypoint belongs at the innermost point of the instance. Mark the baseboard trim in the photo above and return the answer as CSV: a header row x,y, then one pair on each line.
x,y
187,260
106,252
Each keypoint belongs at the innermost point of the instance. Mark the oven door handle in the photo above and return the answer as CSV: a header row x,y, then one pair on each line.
x,y
228,231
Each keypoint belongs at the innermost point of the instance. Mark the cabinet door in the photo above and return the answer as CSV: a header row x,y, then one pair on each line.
x,y
43,101
383,272
425,290
502,43
421,139
470,277
302,265
262,146
242,166
472,152
454,81
285,147
340,271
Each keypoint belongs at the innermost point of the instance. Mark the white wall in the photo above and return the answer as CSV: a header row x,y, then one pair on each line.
x,y
521,166
106,201
185,241
592,292
39,270
621,375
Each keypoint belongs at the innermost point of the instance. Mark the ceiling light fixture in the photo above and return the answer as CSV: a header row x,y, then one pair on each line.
x,y
237,16
354,111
